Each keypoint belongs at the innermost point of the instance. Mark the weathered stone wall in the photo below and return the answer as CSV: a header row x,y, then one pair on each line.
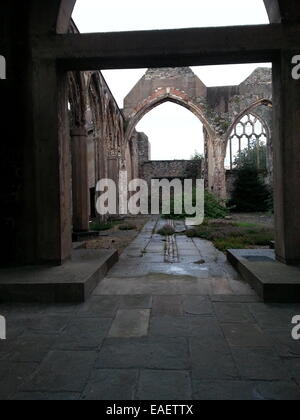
x,y
218,108
171,169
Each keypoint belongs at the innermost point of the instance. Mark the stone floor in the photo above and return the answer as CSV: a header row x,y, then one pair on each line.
x,y
191,329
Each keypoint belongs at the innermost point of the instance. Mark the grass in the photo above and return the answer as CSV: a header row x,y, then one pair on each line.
x,y
233,235
102,226
99,227
246,225
127,227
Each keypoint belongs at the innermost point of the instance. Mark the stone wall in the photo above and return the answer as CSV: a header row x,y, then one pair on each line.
x,y
171,169
218,108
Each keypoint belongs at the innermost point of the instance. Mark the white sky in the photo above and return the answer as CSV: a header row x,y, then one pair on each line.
x,y
169,125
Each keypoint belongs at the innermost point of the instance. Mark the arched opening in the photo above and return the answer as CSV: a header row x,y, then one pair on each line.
x,y
174,132
249,138
52,29
249,158
167,136
163,97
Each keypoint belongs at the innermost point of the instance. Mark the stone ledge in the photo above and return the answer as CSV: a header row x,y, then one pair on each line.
x,y
73,282
273,281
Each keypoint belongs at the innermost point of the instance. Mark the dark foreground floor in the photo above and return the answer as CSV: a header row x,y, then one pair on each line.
x,y
155,330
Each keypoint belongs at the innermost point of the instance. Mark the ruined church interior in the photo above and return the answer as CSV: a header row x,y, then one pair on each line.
x,y
140,306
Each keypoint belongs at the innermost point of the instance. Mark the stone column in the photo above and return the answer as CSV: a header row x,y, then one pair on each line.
x,y
80,182
286,144
216,174
47,188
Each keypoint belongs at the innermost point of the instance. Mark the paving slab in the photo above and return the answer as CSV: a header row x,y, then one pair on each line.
x,y
245,335
283,342
44,396
274,316
100,306
13,375
293,367
156,385
167,305
62,371
235,298
130,323
233,313
136,302
147,353
111,385
186,326
83,334
197,305
259,364
28,348
245,391
221,286
212,359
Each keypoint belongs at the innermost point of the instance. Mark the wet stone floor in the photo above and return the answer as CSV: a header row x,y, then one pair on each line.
x,y
171,321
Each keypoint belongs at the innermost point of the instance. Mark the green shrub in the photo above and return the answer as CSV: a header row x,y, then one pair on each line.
x,y
230,243
254,157
250,193
166,230
98,227
213,208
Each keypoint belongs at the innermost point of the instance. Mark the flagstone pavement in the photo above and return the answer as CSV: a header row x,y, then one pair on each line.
x,y
171,321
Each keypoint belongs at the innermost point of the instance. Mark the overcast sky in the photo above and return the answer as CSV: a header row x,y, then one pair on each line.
x,y
169,126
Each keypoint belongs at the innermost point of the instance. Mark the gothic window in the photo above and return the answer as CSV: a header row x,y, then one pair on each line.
x,y
248,140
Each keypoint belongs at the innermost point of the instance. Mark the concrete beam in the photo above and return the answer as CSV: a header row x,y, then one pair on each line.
x,y
283,11
167,48
273,11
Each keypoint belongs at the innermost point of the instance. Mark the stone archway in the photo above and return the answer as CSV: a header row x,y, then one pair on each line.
x,y
159,97
182,87
265,117
41,227
179,98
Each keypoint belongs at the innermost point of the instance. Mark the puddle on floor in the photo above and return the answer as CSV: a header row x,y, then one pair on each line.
x,y
165,276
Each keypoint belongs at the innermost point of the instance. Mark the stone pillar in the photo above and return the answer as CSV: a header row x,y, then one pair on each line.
x,y
47,189
216,174
286,144
80,181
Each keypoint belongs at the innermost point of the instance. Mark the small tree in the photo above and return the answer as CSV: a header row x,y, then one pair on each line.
x,y
197,156
194,169
254,157
250,192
